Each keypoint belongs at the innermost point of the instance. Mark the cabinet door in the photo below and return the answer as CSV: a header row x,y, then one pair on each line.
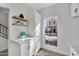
x,y
38,43
25,48
32,47
37,31
14,48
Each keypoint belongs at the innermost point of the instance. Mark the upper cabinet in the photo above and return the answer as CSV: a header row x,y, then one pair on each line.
x,y
74,10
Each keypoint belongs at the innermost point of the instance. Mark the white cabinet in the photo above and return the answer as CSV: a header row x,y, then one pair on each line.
x,y
20,48
38,43
28,47
32,47
25,48
14,48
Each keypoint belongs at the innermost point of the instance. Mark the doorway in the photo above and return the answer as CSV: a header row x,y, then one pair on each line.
x,y
4,13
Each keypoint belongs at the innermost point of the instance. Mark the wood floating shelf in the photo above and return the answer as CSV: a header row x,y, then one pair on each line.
x,y
20,21
19,24
18,18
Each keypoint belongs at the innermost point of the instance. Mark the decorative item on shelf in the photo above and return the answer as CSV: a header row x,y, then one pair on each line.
x,y
23,35
20,20
21,16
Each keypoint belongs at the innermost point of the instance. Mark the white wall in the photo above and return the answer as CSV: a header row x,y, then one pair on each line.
x,y
3,43
4,21
69,28
14,10
4,18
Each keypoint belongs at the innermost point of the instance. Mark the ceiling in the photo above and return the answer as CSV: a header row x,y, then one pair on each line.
x,y
37,6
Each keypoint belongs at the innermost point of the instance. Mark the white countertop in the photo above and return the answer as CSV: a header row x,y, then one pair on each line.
x,y
20,41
